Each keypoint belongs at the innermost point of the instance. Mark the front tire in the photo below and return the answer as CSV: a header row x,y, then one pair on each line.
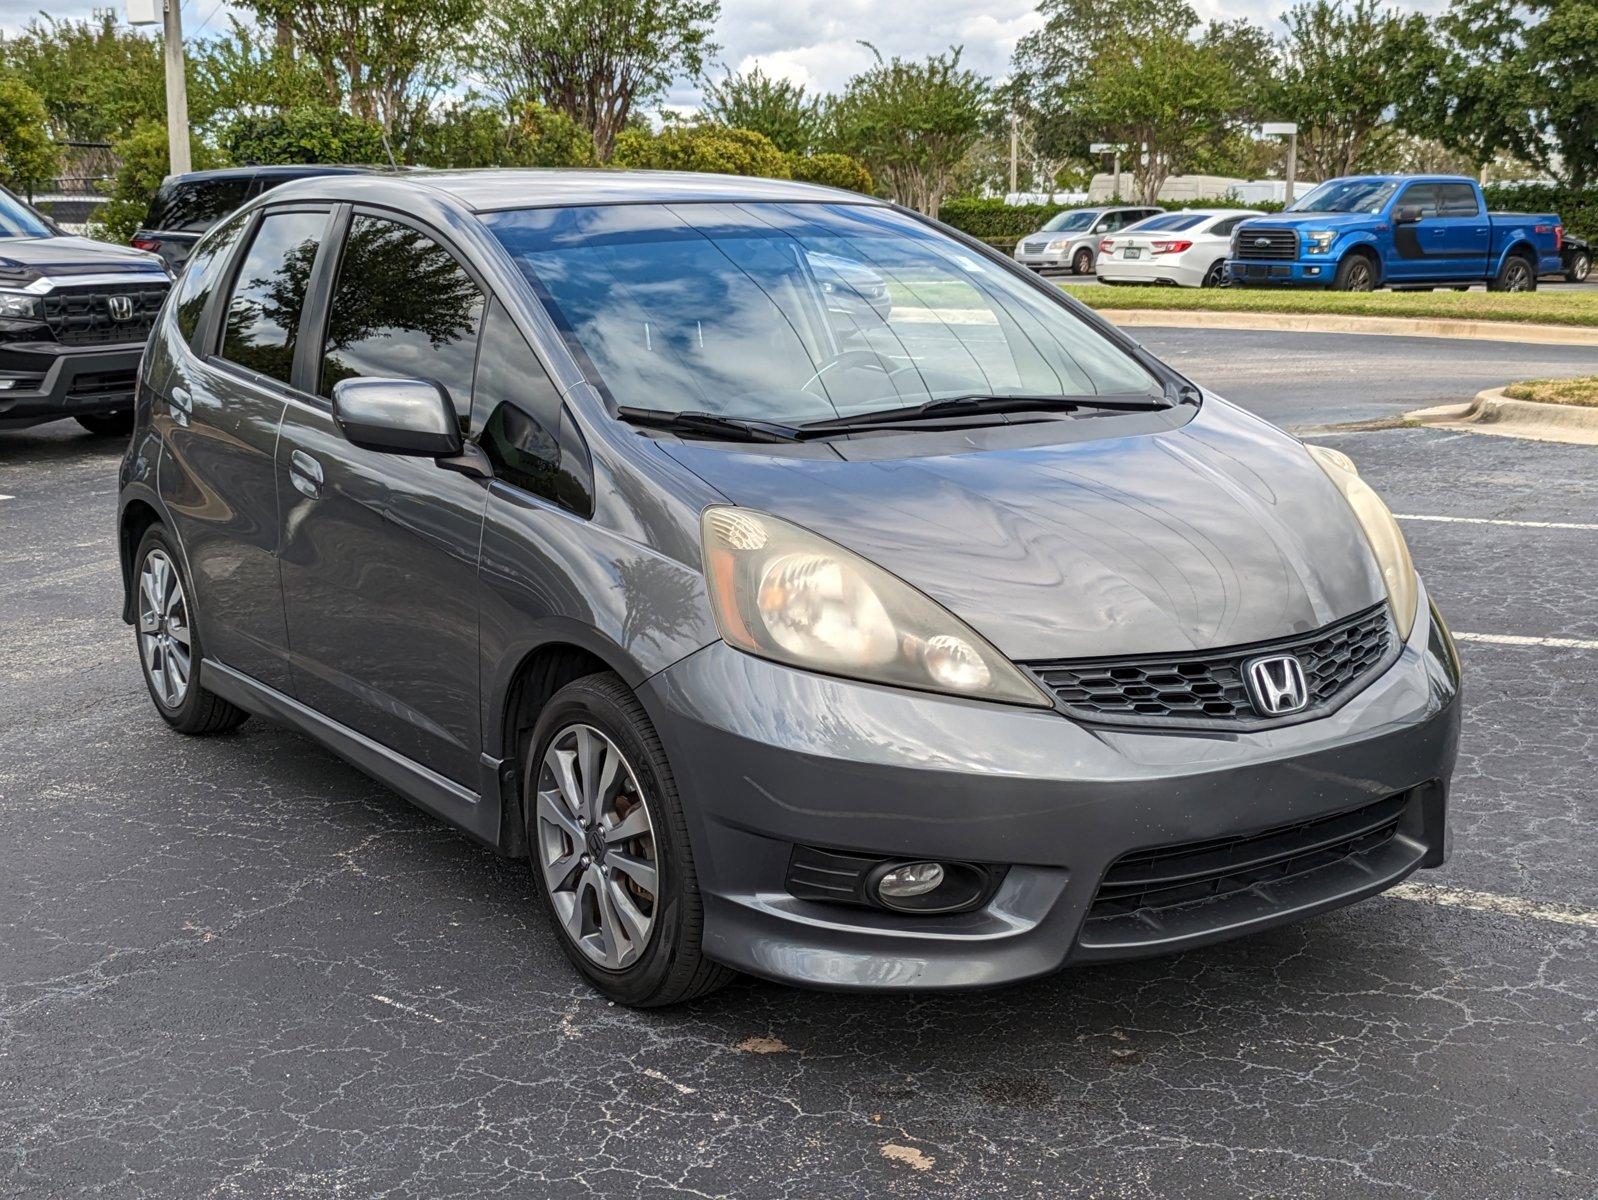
x,y
1580,267
169,642
1355,274
609,848
1082,262
116,424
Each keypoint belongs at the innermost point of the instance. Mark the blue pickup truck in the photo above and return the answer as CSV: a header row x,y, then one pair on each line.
x,y
1400,231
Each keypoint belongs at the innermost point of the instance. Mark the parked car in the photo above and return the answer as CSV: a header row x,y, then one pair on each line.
x,y
74,315
185,206
1575,259
1069,240
1402,231
978,644
1187,248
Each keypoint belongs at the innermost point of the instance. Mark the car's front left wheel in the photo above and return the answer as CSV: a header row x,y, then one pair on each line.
x,y
169,642
609,847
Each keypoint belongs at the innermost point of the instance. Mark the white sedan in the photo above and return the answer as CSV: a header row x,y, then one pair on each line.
x,y
1187,248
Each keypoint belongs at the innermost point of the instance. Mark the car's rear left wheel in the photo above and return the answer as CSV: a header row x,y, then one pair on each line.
x,y
609,848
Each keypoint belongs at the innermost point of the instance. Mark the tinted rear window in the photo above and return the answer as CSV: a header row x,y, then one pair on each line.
x,y
1167,223
196,205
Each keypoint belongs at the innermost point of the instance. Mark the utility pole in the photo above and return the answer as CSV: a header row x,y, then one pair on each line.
x,y
1289,130
144,12
1015,151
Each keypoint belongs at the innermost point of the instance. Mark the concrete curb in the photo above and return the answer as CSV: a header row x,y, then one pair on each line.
x,y
1492,412
1431,327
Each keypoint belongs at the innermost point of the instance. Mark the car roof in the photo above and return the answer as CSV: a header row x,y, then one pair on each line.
x,y
535,187
264,171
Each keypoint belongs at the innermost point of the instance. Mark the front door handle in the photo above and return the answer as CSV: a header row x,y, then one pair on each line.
x,y
306,474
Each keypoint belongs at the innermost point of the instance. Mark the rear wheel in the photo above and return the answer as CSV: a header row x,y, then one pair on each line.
x,y
609,848
119,424
1516,275
1216,276
169,643
1354,274
1082,262
1579,267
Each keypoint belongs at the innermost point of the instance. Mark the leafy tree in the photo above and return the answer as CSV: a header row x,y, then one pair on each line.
x,y
144,159
311,133
27,155
701,147
96,79
1342,67
593,60
831,170
478,134
1521,77
777,108
245,70
384,61
911,124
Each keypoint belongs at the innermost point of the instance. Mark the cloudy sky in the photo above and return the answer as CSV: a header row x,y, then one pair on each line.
x,y
815,42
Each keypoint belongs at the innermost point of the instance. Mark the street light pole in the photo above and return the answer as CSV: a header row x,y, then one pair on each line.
x,y
144,12
1289,130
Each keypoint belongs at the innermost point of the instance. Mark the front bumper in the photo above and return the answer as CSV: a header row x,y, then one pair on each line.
x,y
51,381
1044,260
767,758
1316,272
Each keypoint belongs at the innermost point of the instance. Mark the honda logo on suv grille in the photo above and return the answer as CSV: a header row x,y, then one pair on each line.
x,y
120,307
1276,685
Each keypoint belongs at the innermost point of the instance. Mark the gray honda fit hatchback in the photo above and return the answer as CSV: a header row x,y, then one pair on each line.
x,y
802,588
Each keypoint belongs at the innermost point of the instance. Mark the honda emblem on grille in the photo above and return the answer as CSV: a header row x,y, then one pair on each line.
x,y
1276,685
120,307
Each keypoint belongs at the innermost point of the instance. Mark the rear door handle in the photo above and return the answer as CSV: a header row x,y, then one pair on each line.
x,y
181,400
306,474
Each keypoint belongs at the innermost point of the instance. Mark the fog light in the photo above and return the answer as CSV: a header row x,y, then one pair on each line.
x,y
1312,270
911,879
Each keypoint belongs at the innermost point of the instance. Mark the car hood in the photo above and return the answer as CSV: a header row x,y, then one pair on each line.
x,y
1221,533
1310,221
23,260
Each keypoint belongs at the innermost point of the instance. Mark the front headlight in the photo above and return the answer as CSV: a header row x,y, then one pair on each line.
x,y
1319,241
20,306
1059,243
1381,531
783,593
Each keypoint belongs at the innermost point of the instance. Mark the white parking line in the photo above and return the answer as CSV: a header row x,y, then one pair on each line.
x,y
1510,906
7,497
1499,521
1517,639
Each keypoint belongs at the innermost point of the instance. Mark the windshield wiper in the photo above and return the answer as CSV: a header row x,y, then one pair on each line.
x,y
708,425
974,404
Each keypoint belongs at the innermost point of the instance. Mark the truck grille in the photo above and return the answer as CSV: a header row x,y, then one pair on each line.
x,y
89,316
1266,243
1148,881
1205,689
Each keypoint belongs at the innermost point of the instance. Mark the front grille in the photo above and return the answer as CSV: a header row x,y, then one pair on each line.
x,y
1278,244
1205,689
104,383
1147,883
82,316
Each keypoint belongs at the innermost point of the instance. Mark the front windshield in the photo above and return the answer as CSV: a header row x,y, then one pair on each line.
x,y
1346,196
798,312
18,221
1069,221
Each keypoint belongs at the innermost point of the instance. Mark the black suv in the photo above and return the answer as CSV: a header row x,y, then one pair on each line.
x,y
74,317
185,206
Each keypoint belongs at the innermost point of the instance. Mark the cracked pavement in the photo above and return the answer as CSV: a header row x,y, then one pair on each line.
x,y
236,967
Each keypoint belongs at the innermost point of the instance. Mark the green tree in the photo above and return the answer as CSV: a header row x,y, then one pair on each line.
x,y
144,163
475,133
244,70
97,80
28,156
831,170
1342,67
699,147
593,60
777,108
911,124
1519,77
311,133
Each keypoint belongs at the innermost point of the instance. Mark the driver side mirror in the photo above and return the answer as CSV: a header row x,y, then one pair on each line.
x,y
1406,214
397,416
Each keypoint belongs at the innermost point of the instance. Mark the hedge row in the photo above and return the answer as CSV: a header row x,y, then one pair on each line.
x,y
1001,223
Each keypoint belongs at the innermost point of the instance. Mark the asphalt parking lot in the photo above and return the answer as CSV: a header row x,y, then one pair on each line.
x,y
238,968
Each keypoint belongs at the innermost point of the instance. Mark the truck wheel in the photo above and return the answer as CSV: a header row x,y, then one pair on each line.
x,y
1082,263
1516,275
1580,267
1354,274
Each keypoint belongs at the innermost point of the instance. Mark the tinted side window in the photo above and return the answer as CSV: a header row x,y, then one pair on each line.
x,y
402,309
1224,228
1457,200
201,274
196,205
527,436
263,312
1421,195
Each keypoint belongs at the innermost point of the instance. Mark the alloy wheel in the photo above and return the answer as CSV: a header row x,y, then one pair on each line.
x,y
1517,277
596,846
1359,277
164,638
